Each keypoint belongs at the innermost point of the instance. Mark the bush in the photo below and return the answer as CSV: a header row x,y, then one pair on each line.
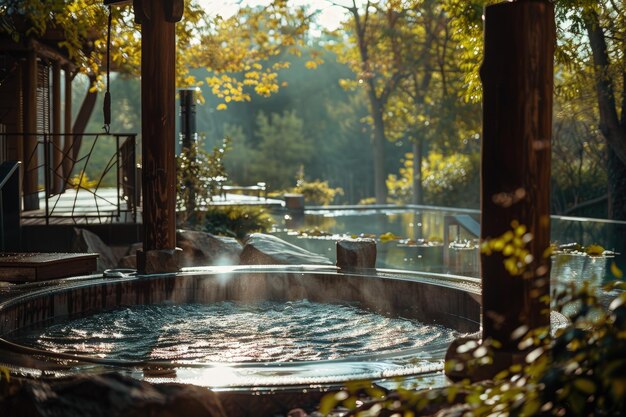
x,y
236,221
581,371
317,192
198,176
369,201
451,180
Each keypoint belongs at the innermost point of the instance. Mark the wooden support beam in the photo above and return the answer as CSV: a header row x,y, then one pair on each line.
x,y
158,97
67,123
30,175
56,174
517,76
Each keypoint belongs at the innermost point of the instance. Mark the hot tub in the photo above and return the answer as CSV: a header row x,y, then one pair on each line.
x,y
399,305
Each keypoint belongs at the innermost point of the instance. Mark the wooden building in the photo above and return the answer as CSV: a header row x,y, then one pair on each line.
x,y
35,100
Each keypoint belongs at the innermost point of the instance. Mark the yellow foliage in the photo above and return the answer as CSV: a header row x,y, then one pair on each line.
x,y
617,273
388,237
512,245
594,250
82,181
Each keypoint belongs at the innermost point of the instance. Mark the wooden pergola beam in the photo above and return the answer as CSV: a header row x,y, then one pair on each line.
x,y
158,118
517,76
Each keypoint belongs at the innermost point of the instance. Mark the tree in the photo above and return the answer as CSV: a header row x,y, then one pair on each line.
x,y
280,135
579,174
372,50
427,109
245,52
239,46
403,57
605,26
590,48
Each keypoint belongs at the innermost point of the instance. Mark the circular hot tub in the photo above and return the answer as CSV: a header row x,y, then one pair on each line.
x,y
234,328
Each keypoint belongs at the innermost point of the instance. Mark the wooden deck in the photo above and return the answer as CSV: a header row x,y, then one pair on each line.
x,y
85,207
30,267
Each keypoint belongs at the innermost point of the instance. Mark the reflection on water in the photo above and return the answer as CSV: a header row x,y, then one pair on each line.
x,y
232,332
415,226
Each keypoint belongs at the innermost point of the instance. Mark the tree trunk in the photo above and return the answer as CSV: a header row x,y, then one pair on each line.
x,y
612,129
377,105
418,156
617,186
84,114
379,139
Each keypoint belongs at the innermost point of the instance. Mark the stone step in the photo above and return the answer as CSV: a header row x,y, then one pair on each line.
x,y
30,267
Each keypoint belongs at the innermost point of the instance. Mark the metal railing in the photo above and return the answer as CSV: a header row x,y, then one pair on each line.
x,y
55,175
9,206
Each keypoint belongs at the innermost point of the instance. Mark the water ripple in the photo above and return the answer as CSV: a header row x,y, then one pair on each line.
x,y
233,332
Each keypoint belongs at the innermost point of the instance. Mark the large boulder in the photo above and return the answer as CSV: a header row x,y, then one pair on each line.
x,y
205,249
262,249
198,249
85,241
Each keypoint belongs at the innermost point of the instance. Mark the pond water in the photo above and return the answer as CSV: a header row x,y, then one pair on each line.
x,y
230,332
412,239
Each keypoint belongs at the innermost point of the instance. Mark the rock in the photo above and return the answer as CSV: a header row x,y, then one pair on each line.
x,y
85,241
107,395
198,249
159,261
294,202
262,249
129,261
205,249
356,253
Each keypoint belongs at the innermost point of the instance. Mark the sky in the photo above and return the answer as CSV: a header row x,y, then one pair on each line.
x,y
329,16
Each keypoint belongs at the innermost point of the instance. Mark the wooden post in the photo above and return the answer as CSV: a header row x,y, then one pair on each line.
x,y
30,186
517,76
158,96
56,174
68,138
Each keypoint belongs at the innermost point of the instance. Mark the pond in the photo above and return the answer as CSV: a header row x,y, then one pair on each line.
x,y
412,238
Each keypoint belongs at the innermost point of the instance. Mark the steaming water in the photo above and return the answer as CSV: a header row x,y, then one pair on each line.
x,y
233,332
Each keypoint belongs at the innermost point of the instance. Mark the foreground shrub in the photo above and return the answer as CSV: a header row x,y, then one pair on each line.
x,y
580,371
